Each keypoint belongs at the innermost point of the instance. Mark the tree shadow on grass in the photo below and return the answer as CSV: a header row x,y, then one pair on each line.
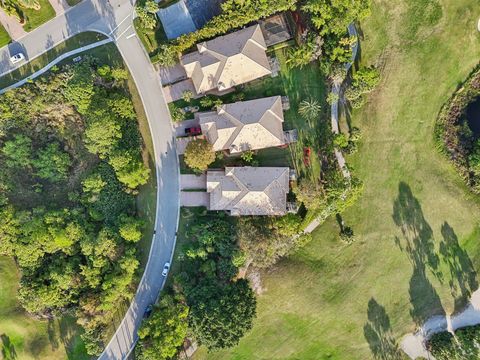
x,y
378,333
462,272
69,332
419,245
418,241
52,334
8,349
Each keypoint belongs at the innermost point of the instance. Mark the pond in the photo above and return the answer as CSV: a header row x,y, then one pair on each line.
x,y
473,116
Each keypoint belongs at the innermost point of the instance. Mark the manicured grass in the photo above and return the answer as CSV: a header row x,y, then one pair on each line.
x,y
35,18
332,301
4,37
38,63
29,338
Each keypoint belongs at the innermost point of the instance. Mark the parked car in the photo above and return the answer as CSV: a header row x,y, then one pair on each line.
x,y
148,311
17,58
166,267
194,130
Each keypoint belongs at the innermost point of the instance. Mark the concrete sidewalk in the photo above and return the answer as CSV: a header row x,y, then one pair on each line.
x,y
11,24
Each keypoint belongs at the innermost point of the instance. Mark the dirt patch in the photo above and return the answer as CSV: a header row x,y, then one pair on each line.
x,y
256,282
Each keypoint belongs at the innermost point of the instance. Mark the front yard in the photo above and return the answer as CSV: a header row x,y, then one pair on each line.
x,y
35,18
298,84
4,37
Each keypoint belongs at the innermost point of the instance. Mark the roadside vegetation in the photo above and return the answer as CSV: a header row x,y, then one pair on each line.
x,y
69,217
41,61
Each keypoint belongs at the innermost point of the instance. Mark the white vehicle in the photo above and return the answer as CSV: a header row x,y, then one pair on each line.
x,y
17,58
166,267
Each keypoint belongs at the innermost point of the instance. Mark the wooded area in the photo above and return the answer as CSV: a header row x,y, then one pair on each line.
x,y
70,150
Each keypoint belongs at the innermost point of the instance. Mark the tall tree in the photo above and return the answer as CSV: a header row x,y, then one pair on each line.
x,y
163,333
220,319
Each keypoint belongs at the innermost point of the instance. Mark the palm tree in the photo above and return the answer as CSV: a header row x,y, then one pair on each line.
x,y
309,109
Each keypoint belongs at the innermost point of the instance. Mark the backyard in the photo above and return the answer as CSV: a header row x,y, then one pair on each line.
x,y
416,252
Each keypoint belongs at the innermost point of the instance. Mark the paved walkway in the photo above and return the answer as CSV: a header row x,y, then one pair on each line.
x,y
414,344
194,198
55,62
11,24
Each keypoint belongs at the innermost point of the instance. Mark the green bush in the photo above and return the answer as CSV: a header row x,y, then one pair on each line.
x,y
465,345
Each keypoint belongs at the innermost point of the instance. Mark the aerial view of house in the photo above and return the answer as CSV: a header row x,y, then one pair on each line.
x,y
249,190
228,60
244,125
239,179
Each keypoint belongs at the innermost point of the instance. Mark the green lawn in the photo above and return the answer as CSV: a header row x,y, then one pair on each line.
x,y
35,18
32,339
38,63
4,37
332,301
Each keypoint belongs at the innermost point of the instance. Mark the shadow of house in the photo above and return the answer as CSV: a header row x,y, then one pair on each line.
x,y
8,349
378,333
462,272
419,245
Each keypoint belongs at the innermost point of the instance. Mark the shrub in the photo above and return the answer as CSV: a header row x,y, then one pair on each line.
x,y
187,96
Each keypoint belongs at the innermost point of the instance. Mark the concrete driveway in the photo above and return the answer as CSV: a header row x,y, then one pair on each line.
x,y
172,74
194,198
175,91
182,125
191,181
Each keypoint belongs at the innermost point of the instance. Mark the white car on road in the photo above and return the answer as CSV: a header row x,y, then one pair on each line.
x,y
166,267
17,58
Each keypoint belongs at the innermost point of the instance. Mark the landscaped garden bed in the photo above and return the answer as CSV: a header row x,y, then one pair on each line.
x,y
457,130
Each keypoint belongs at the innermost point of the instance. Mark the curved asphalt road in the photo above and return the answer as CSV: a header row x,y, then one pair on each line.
x,y
114,18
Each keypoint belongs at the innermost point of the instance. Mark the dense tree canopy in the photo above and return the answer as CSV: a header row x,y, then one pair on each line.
x,y
220,317
67,213
164,331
